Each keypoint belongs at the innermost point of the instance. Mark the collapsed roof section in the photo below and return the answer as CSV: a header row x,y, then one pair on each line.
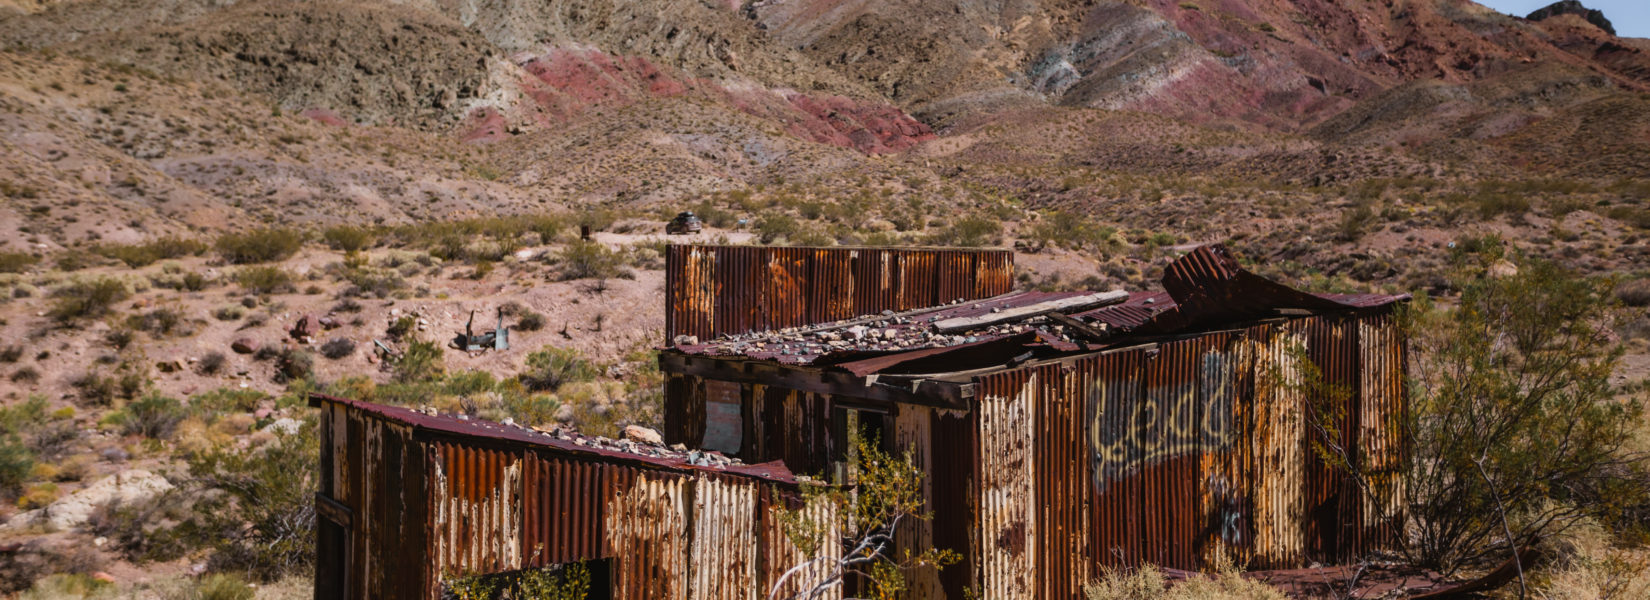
x,y
1205,289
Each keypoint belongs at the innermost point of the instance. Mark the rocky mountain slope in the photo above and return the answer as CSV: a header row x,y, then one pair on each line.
x,y
131,119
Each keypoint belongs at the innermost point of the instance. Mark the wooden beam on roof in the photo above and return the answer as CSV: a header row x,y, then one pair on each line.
x,y
1019,313
940,394
1091,332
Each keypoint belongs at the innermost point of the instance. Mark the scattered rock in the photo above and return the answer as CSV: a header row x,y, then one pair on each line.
x,y
637,433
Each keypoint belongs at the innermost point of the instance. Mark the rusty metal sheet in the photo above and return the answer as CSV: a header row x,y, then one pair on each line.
x,y
476,493
914,432
723,551
1008,548
647,528
778,553
1279,436
1062,484
715,290
1381,399
955,484
563,502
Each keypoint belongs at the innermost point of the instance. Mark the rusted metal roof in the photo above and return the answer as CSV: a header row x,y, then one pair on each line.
x,y
571,444
1204,289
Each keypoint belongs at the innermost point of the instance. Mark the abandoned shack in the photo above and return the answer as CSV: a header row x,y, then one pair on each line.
x,y
1060,432
408,501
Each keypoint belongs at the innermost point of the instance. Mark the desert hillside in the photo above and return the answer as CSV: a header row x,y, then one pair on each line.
x,y
209,209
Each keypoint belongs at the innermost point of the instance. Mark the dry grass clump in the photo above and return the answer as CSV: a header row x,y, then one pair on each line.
x,y
1590,565
1225,582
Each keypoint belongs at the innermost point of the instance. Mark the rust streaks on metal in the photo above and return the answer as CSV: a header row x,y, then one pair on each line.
x,y
715,290
1184,448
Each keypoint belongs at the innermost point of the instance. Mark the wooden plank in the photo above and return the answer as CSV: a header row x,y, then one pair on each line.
x,y
1019,313
1094,334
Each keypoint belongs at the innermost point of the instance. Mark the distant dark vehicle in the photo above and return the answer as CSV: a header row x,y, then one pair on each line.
x,y
684,223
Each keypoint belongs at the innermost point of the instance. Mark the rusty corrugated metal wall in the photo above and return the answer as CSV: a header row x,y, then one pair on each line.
x,y
425,510
374,470
712,290
1162,454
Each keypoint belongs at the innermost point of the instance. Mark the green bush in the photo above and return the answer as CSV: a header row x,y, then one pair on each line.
x,y
401,327
87,299
590,260
1072,231
1514,423
98,389
552,368
970,231
259,245
144,530
256,507
16,463
208,405
349,238
142,255
265,280
154,417
777,226
532,409
162,322
423,361
565,582
369,281
16,262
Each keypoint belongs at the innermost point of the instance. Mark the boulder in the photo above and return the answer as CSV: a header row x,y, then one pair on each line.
x,y
244,345
284,426
75,509
643,435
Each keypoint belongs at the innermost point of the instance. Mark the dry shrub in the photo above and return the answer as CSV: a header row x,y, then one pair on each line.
x,y
1634,293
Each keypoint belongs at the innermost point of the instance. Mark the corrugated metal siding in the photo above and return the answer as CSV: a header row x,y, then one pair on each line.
x,y
779,554
1062,483
955,483
476,493
1381,413
1184,448
711,290
563,506
647,529
1007,544
913,431
1279,442
724,548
